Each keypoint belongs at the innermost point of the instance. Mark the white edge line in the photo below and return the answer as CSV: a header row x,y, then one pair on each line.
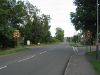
x,y
76,50
73,49
69,63
2,67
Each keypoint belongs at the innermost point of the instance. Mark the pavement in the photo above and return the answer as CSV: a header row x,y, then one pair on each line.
x,y
78,64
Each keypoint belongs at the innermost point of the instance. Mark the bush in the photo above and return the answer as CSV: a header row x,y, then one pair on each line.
x,y
6,42
55,40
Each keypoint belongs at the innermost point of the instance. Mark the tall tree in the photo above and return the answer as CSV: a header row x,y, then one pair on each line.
x,y
85,16
37,27
45,28
5,25
22,16
59,34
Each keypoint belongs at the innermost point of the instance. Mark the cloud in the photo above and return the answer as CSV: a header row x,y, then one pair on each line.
x,y
59,10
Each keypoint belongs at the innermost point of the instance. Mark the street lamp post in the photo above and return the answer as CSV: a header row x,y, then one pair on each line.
x,y
97,46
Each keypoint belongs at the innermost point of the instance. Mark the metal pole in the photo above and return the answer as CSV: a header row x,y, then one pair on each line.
x,y
97,47
23,41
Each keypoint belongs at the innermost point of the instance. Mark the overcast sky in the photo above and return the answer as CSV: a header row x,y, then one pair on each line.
x,y
59,11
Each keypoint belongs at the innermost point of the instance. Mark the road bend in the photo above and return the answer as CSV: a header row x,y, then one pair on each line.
x,y
44,60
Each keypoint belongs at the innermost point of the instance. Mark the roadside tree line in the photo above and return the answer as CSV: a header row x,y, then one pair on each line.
x,y
25,17
85,18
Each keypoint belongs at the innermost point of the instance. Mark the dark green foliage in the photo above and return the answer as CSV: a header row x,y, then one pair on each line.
x,y
54,40
22,16
85,17
5,25
59,34
37,28
75,38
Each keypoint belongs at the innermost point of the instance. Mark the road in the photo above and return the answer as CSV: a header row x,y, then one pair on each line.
x,y
43,60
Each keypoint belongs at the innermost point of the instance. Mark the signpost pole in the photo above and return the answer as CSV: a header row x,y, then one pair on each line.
x,y
97,47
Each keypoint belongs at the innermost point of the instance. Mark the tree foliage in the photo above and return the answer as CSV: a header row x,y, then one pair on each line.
x,y
22,16
85,17
59,34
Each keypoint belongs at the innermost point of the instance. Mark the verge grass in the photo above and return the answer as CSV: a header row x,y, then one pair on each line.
x,y
95,63
12,50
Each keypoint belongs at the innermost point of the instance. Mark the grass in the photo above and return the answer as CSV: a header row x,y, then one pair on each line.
x,y
72,44
93,53
15,50
45,44
96,65
75,44
12,51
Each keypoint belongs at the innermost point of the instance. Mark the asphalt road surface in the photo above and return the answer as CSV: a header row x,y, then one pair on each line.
x,y
43,60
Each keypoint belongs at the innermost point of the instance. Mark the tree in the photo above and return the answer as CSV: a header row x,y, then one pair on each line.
x,y
59,34
85,16
5,25
22,16
45,28
36,27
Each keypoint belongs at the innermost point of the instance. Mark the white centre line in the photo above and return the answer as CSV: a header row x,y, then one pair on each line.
x,y
43,52
3,67
27,58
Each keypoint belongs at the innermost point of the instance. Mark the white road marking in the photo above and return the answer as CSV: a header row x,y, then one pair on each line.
x,y
43,52
27,58
3,67
75,50
69,63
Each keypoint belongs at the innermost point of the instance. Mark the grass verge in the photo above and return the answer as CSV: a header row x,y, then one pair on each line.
x,y
93,53
72,44
15,50
75,44
12,51
96,65
94,62
46,44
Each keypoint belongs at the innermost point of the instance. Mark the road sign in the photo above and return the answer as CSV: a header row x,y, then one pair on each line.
x,y
88,34
28,42
16,34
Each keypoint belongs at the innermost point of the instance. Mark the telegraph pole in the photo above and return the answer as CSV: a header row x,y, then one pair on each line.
x,y
97,46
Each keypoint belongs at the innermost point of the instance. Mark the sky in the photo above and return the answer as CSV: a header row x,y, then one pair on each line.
x,y
59,11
